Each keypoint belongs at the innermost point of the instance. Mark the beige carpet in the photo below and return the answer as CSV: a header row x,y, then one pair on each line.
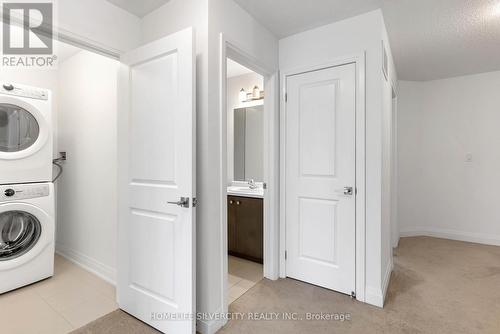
x,y
438,286
116,322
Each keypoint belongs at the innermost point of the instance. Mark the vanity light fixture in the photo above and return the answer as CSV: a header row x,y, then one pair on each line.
x,y
242,95
256,92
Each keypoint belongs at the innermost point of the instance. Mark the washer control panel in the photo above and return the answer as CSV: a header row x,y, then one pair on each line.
x,y
24,91
23,191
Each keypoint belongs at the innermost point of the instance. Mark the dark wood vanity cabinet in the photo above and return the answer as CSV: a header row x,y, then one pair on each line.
x,y
245,228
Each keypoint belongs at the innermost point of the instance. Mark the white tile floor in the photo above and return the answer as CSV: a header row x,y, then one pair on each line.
x,y
67,301
243,275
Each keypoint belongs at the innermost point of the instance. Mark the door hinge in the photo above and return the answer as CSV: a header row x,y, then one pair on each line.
x,y
286,97
195,201
353,295
285,255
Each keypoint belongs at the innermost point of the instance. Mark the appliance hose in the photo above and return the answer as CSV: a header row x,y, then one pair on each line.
x,y
59,173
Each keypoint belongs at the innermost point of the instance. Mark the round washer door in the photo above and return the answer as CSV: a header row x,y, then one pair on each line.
x,y
25,231
23,129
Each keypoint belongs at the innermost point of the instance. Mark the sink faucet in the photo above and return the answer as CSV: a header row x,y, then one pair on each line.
x,y
252,185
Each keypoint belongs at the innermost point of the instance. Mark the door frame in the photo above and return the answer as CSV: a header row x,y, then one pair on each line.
x,y
230,48
86,44
359,61
394,167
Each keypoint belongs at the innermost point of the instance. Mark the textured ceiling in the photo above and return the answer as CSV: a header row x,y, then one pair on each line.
x,y
139,8
433,39
287,17
430,39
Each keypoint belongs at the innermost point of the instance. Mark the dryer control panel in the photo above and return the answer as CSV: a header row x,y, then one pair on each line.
x,y
13,192
24,91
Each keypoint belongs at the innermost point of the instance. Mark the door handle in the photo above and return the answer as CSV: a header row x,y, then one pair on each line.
x,y
183,202
347,191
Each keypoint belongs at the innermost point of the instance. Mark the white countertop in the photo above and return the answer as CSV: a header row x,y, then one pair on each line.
x,y
244,190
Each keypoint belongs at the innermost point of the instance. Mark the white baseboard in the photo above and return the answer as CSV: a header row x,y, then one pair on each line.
x,y
387,277
396,243
376,296
210,326
100,269
481,238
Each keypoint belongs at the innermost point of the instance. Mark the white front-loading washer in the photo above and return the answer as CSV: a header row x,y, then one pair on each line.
x,y
25,134
27,235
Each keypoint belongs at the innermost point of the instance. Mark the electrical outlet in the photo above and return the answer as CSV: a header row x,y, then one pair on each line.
x,y
468,157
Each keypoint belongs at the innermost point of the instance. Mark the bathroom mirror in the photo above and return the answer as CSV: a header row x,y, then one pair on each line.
x,y
248,143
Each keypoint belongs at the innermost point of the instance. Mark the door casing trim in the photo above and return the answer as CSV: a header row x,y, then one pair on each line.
x,y
359,60
231,48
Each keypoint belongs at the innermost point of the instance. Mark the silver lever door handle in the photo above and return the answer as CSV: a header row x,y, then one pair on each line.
x,y
184,202
349,191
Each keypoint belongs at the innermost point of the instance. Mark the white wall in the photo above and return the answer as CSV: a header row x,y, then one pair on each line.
x,y
98,22
389,204
439,123
342,39
234,84
86,211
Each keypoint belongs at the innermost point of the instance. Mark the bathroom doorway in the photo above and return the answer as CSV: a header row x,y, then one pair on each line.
x,y
250,172
245,178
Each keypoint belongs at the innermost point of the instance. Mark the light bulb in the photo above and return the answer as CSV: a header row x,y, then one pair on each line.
x,y
496,9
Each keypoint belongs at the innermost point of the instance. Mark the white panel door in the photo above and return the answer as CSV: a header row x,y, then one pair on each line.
x,y
156,255
320,164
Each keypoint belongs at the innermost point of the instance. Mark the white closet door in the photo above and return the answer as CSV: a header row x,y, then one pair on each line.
x,y
320,173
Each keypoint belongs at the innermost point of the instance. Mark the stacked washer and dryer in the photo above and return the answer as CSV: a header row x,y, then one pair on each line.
x,y
27,217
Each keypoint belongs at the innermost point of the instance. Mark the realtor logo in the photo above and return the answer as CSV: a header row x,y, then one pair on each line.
x,y
28,34
28,28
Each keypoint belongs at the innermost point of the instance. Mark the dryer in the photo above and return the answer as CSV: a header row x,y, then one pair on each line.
x,y
27,234
25,134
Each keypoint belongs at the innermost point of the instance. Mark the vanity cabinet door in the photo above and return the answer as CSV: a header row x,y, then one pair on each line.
x,y
231,224
245,229
249,235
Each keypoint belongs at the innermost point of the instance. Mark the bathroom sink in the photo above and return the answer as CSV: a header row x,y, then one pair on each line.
x,y
245,191
236,188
